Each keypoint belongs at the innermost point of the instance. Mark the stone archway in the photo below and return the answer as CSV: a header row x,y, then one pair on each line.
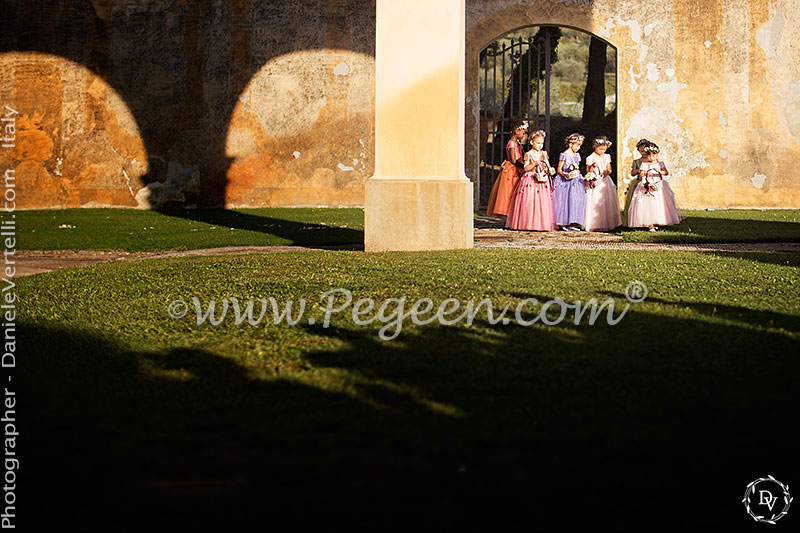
x,y
484,25
420,197
574,94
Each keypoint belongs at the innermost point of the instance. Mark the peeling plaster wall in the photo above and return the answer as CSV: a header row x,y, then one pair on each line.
x,y
168,102
259,103
715,83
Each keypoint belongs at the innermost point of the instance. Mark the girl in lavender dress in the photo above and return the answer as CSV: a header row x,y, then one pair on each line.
x,y
568,187
653,201
602,204
531,206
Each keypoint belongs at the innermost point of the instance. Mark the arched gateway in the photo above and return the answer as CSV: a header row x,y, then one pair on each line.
x,y
427,109
714,84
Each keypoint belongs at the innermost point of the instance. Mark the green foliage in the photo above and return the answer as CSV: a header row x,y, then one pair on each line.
x,y
569,75
569,59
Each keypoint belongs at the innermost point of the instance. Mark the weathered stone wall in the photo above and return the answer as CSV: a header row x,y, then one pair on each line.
x,y
165,102
716,83
262,103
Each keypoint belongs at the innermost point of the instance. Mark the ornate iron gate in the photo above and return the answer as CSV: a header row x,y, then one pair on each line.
x,y
520,96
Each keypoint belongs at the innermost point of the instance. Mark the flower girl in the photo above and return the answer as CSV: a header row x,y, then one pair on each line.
x,y
653,201
510,172
568,187
531,206
633,180
602,204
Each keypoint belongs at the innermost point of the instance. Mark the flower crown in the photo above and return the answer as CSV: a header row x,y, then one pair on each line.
x,y
538,133
651,149
523,126
601,142
575,137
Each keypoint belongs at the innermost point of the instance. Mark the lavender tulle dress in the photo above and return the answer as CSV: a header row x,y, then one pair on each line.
x,y
570,195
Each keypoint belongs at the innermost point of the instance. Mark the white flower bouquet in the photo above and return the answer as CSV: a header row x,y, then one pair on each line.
x,y
591,179
572,172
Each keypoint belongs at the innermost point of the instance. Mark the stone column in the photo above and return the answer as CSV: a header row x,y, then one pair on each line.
x,y
419,197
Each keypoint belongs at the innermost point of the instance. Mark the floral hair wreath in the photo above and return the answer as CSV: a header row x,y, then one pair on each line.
x,y
522,126
651,149
538,133
575,137
601,142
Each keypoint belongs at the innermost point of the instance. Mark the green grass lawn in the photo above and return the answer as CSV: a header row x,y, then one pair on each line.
x,y
730,225
152,419
136,230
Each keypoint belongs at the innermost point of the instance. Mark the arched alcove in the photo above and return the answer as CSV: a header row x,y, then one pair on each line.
x,y
184,71
558,79
485,26
75,141
300,134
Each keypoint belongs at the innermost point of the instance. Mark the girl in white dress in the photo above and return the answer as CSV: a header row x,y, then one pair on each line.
x,y
653,202
602,204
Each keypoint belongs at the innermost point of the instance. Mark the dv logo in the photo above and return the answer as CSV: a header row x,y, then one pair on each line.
x,y
761,497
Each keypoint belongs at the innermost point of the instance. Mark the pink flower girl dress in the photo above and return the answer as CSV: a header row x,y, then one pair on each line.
x,y
531,206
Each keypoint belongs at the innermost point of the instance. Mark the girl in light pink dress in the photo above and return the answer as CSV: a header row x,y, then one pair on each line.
x,y
531,206
653,202
602,204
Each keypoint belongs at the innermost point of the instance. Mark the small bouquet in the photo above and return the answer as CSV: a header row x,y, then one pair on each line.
x,y
652,181
572,172
542,172
591,177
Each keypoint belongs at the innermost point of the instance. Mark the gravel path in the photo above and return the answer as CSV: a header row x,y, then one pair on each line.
x,y
36,261
489,239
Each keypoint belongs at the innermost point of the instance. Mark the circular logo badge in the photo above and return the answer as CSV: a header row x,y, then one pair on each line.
x,y
767,500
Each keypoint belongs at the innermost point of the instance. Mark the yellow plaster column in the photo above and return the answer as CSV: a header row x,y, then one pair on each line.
x,y
419,197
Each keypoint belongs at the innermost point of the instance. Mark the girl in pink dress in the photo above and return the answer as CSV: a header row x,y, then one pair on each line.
x,y
653,201
531,206
602,204
510,172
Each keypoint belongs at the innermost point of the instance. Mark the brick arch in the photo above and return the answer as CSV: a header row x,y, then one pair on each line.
x,y
489,27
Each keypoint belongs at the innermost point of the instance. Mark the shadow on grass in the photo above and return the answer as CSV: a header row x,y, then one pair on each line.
x,y
298,233
766,319
445,426
695,229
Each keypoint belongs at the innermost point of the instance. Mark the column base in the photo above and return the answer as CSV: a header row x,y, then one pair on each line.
x,y
417,214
